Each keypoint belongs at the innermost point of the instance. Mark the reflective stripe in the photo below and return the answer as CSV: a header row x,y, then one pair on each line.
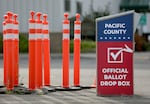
x,y
66,36
31,25
9,26
45,27
35,36
16,27
77,36
39,36
32,37
38,26
46,36
17,37
10,36
77,27
65,26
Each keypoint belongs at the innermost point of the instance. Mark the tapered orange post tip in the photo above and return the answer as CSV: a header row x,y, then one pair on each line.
x,y
77,16
32,12
38,14
10,13
15,16
44,15
5,17
66,15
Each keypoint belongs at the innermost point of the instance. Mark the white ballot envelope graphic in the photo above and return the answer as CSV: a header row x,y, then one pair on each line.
x,y
115,54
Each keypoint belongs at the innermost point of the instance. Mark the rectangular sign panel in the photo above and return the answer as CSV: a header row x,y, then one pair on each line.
x,y
115,54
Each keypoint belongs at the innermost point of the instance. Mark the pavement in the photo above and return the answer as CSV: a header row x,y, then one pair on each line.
x,y
88,75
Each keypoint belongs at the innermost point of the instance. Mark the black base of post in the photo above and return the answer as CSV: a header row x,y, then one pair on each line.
x,y
49,88
3,89
67,89
85,87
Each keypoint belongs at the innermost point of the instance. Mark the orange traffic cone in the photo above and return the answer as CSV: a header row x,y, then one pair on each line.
x,y
94,84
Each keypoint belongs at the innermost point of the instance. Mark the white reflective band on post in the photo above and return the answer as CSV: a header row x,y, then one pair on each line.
x,y
16,27
39,36
46,37
45,27
77,27
16,37
31,25
77,36
32,37
66,36
10,26
65,26
10,36
38,26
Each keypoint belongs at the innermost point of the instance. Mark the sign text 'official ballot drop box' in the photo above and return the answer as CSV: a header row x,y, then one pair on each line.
x,y
115,46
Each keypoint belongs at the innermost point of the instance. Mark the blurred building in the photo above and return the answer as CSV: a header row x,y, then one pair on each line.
x,y
142,7
54,9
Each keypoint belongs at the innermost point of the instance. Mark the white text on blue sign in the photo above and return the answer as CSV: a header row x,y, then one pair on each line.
x,y
115,28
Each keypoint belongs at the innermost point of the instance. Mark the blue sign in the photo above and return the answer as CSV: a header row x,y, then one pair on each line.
x,y
116,29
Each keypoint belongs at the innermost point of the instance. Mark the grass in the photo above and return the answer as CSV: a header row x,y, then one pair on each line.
x,y
148,47
86,46
23,43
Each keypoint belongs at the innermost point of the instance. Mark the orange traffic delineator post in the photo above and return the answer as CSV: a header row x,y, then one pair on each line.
x,y
77,41
94,84
46,50
11,50
38,51
39,42
9,55
16,50
66,57
32,39
65,51
4,49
